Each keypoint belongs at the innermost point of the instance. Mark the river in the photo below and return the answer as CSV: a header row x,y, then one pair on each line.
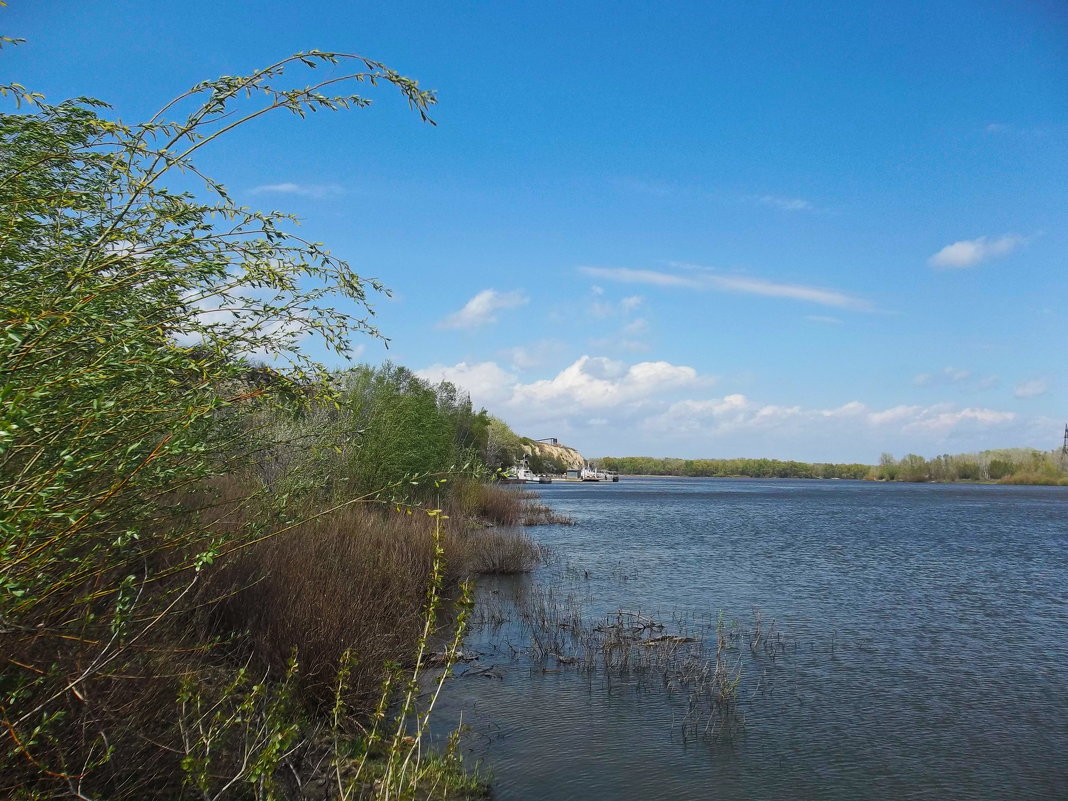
x,y
915,644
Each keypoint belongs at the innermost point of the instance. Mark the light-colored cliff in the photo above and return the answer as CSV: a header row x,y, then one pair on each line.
x,y
561,453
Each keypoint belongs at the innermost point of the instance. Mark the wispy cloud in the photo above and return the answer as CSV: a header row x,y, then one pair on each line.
x,y
969,252
482,309
784,203
962,379
758,286
536,354
699,278
314,191
626,275
1032,388
601,307
822,318
1007,129
947,375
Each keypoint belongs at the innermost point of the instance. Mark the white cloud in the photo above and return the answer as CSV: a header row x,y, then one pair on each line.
x,y
820,318
589,383
594,382
701,278
942,418
1032,388
482,309
895,414
314,191
486,382
969,252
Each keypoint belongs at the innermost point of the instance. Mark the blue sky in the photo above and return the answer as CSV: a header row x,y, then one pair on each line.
x,y
797,230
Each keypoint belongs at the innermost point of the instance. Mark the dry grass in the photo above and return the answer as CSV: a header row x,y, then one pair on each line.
x,y
356,580
502,505
500,551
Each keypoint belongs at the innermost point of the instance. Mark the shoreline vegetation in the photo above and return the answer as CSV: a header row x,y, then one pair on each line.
x,y
226,572
1021,466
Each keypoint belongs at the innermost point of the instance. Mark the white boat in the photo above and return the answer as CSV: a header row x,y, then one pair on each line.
x,y
522,474
590,473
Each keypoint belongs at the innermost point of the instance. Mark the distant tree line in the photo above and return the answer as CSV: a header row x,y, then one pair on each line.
x,y
727,468
1006,466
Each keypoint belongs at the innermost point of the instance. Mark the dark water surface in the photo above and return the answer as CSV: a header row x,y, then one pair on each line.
x,y
927,629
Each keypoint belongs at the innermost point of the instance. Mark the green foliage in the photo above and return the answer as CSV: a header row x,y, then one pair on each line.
x,y
128,316
382,433
402,426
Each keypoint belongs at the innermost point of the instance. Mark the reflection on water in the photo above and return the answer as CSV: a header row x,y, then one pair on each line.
x,y
927,628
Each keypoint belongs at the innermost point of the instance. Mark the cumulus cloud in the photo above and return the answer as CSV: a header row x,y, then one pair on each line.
x,y
594,382
969,252
1032,388
482,309
589,383
314,191
700,278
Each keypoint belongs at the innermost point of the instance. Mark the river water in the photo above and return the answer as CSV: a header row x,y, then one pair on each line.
x,y
919,644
